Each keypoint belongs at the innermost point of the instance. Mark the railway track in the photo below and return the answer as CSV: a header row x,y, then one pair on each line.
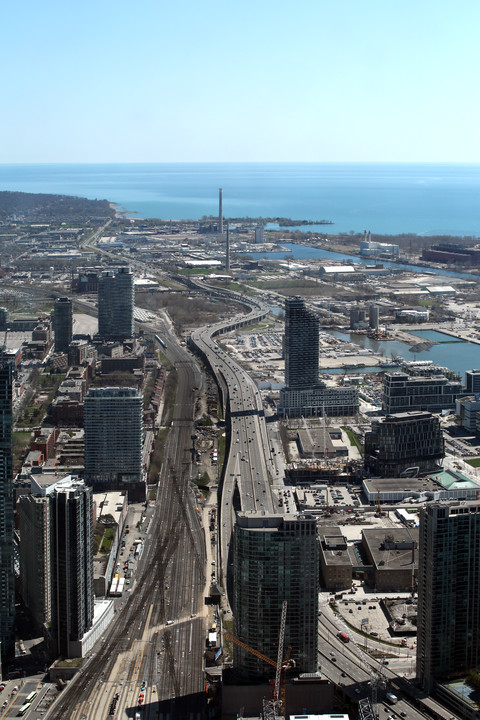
x,y
140,649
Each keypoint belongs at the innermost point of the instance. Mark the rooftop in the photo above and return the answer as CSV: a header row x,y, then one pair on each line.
x,y
391,548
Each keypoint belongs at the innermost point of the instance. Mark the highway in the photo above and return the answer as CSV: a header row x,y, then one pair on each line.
x,y
249,464
155,643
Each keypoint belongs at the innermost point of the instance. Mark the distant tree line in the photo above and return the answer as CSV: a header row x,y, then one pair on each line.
x,y
35,207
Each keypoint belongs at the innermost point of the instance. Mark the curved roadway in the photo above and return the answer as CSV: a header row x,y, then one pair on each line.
x,y
249,465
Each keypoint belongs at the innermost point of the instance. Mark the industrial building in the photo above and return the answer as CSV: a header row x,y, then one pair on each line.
x,y
443,485
455,254
448,638
402,441
275,559
403,393
371,248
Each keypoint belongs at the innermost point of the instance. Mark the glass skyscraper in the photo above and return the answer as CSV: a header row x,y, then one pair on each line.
x,y
448,633
113,422
72,566
7,577
115,304
63,323
276,558
56,562
304,394
301,345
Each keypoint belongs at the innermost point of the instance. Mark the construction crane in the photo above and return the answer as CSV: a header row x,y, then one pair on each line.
x,y
379,511
324,424
277,707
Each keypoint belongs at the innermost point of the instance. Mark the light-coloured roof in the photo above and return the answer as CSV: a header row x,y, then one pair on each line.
x,y
338,268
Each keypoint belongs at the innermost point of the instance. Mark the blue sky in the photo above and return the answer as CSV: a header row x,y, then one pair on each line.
x,y
256,80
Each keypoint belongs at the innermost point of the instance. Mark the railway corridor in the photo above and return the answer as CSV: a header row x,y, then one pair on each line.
x,y
151,660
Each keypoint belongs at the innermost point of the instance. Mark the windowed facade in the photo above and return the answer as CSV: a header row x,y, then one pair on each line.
x,y
115,304
7,577
113,420
404,440
448,639
275,559
403,393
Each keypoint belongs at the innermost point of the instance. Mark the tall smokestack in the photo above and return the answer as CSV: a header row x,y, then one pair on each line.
x,y
227,249
220,210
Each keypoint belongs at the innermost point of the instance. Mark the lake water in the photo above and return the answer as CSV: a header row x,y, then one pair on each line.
x,y
456,355
390,198
307,252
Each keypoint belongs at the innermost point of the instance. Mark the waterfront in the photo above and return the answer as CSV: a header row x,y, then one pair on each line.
x,y
307,252
389,198
455,354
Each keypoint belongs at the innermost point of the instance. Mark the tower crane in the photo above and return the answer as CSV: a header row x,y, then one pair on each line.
x,y
275,708
380,512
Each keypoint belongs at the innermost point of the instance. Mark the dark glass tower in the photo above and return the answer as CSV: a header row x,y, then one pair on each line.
x,y
7,577
448,637
63,323
113,420
72,566
276,558
301,345
115,304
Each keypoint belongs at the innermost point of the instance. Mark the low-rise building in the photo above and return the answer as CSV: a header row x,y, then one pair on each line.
x,y
393,555
336,559
79,351
444,485
314,402
403,393
319,442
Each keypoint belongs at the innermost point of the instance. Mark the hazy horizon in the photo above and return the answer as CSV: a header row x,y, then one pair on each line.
x,y
261,82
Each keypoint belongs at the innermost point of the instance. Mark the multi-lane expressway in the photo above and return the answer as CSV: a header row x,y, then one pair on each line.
x,y
249,464
144,644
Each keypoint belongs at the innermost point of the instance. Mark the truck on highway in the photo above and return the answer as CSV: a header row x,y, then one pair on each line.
x,y
391,698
